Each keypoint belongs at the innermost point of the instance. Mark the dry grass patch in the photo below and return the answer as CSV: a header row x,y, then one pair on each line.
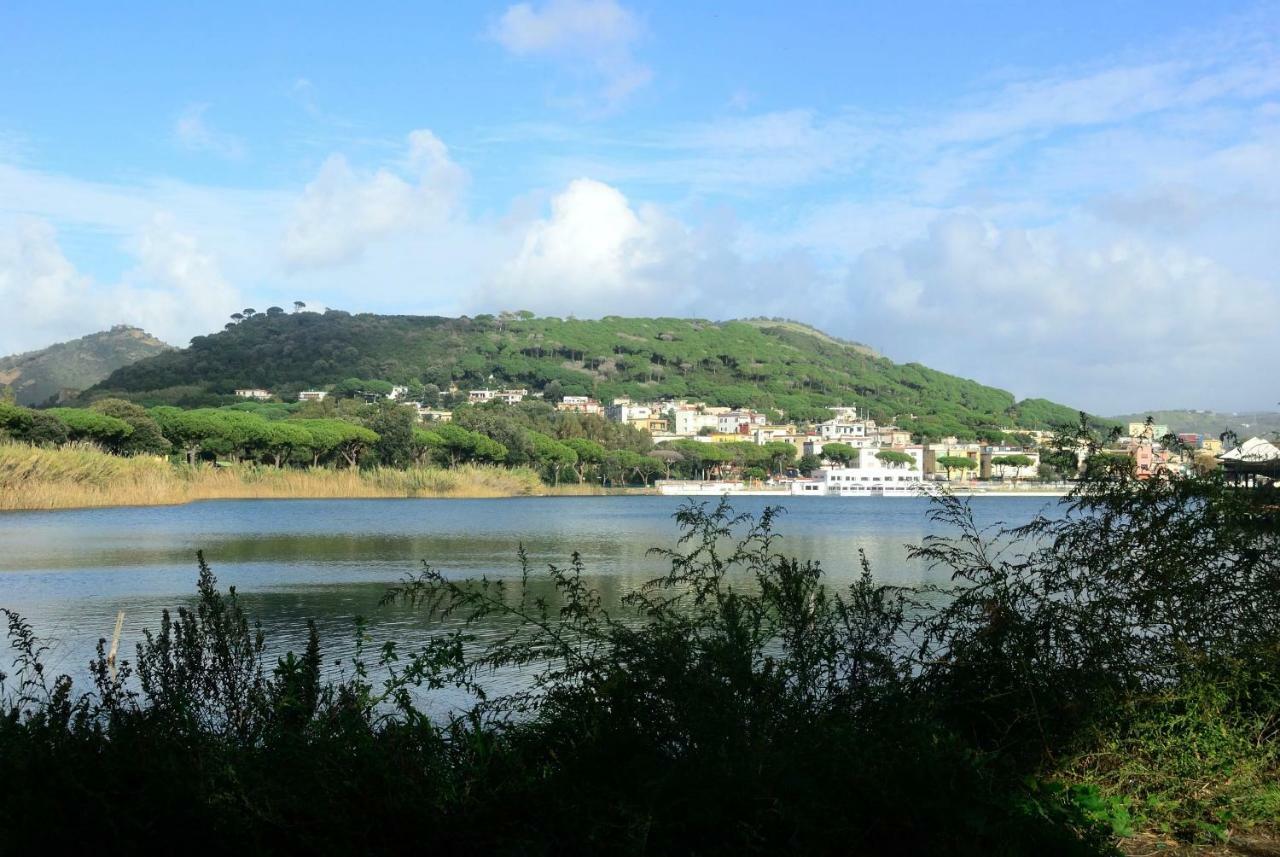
x,y
80,475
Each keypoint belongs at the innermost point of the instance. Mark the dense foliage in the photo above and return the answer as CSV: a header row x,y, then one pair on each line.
x,y
1112,667
780,367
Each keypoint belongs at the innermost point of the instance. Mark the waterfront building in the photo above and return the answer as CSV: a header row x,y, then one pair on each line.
x,y
860,482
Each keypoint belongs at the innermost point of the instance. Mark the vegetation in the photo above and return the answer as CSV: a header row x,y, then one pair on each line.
x,y
1212,424
778,366
1112,668
952,463
38,376
894,458
82,475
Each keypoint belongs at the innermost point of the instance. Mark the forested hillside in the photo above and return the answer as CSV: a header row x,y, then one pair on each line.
x,y
778,365
1244,424
35,376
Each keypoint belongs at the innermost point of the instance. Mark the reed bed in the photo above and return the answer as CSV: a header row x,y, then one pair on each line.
x,y
79,475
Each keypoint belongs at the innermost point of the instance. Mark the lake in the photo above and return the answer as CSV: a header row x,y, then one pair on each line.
x,y
69,572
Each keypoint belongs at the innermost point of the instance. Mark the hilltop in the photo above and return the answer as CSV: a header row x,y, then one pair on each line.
x,y
68,367
780,366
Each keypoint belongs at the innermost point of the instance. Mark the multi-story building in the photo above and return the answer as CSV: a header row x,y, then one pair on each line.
x,y
578,405
892,436
313,396
512,397
844,430
625,410
739,422
952,449
689,421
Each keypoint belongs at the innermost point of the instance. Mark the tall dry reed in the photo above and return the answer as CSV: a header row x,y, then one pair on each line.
x,y
80,475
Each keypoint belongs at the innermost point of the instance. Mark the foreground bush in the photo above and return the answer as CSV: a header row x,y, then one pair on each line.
x,y
737,705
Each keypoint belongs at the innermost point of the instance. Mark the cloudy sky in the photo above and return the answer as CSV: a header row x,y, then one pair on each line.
x,y
1079,202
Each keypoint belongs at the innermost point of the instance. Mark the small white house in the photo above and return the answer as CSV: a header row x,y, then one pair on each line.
x,y
255,394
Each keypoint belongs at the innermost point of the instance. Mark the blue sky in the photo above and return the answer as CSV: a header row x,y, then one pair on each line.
x,y
1076,201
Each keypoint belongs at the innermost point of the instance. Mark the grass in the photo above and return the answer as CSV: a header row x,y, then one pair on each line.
x,y
79,476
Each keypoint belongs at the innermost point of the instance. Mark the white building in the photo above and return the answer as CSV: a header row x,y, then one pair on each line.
x,y
509,397
254,393
691,421
313,396
739,422
579,405
512,397
432,415
398,392
861,482
625,411
845,427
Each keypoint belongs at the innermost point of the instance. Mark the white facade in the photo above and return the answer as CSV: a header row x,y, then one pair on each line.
x,y
861,482
398,392
432,415
255,393
867,459
852,432
313,396
512,397
624,411
578,404
734,421
688,422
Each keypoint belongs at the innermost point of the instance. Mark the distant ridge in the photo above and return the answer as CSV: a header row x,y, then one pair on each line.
x,y
66,368
775,365
1245,424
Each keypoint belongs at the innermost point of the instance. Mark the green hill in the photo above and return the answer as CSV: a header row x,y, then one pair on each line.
x,y
1213,423
69,367
775,365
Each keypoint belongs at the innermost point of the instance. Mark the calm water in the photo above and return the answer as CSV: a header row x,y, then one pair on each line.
x,y
330,560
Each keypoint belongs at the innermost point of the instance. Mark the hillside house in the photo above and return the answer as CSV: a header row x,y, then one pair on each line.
x,y
255,393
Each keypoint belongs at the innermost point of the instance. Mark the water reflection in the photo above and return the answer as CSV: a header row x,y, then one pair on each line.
x,y
331,560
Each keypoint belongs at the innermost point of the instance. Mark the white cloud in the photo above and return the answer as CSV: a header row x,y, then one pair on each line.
x,y
597,254
192,130
47,299
343,210
600,33
1111,326
593,253
42,293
